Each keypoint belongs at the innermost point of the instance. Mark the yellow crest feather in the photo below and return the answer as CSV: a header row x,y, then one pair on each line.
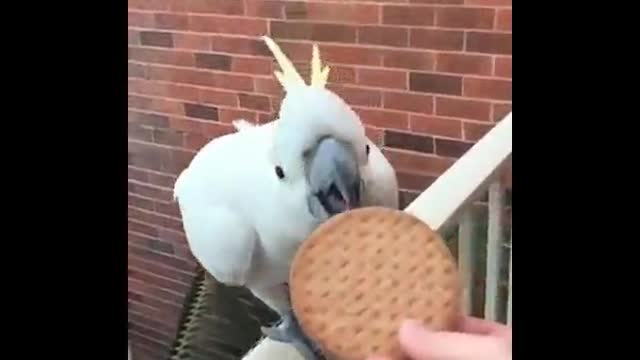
x,y
289,76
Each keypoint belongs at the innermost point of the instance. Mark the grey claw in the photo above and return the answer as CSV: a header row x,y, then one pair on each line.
x,y
289,331
274,333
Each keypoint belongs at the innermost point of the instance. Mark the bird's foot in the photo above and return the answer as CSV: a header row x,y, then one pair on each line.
x,y
289,331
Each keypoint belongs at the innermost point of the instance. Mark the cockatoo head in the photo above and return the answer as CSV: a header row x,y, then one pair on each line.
x,y
319,140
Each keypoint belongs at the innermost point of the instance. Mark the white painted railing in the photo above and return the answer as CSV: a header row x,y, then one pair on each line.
x,y
451,194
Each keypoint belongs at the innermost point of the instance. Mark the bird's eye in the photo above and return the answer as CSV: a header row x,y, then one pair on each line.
x,y
279,172
367,149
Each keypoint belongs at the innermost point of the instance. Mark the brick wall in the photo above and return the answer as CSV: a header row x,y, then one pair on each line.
x,y
428,77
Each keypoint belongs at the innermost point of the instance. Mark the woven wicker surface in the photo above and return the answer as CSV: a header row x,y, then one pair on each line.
x,y
221,322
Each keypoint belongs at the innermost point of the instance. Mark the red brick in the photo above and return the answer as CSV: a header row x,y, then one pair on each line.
x,y
465,17
216,129
412,60
255,102
475,131
140,202
348,55
414,181
264,118
171,21
436,39
183,92
146,321
228,7
150,191
192,41
437,126
138,102
226,25
185,124
155,104
159,5
138,19
141,228
408,102
383,35
180,159
141,87
213,61
383,118
463,108
137,174
408,15
228,115
256,66
137,132
488,88
217,97
333,12
133,37
160,56
267,86
155,219
312,31
140,328
490,43
265,8
383,78
408,141
233,82
168,137
503,67
147,269
488,2
275,104
137,70
298,52
140,351
159,304
376,135
439,2
154,120
504,20
451,148
435,83
411,161
464,63
500,111
184,76
162,180
355,96
167,208
236,45
156,38
140,342
194,141
156,292
199,111
342,75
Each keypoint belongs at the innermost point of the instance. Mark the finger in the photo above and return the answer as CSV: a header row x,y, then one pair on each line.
x,y
473,325
422,344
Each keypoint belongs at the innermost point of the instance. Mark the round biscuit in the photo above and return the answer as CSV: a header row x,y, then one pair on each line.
x,y
361,273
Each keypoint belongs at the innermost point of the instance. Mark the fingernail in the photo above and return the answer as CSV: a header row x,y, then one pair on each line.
x,y
412,329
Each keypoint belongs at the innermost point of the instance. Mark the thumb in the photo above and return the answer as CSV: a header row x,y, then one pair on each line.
x,y
422,344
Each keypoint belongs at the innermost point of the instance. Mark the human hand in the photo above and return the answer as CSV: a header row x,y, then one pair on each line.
x,y
475,339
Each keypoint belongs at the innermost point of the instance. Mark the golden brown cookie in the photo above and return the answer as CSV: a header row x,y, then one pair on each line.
x,y
361,273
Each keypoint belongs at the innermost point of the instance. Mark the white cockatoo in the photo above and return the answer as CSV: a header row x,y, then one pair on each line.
x,y
249,199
